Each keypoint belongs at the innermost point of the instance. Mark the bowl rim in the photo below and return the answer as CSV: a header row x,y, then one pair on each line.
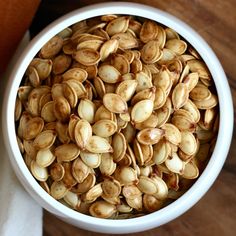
x,y
199,188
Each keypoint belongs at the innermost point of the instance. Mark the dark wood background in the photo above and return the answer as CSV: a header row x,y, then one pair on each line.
x,y
215,20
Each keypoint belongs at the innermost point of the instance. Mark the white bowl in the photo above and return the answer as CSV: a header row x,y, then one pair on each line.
x,y
171,211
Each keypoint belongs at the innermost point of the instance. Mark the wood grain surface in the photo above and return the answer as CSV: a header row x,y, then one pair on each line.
x,y
215,213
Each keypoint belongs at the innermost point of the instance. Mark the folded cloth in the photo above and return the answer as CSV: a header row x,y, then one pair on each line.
x,y
19,214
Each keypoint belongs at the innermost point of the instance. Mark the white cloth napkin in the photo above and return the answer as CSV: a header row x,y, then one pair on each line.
x,y
19,213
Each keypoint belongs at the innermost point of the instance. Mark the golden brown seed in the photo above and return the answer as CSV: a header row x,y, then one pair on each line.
x,y
45,139
151,52
115,103
108,48
62,109
148,31
126,89
57,171
98,144
150,136
87,56
80,171
109,74
52,47
117,25
82,133
67,152
180,95
102,209
119,146
32,128
142,111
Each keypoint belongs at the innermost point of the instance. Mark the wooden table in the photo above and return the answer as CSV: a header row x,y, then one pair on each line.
x,y
215,213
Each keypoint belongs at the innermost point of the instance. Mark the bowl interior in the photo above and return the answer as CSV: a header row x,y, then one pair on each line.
x,y
202,184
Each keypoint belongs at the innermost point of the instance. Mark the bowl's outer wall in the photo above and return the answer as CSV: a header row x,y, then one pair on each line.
x,y
193,194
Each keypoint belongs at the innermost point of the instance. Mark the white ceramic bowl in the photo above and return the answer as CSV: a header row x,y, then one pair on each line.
x,y
171,211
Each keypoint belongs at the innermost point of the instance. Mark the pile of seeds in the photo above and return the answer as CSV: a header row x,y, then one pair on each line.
x,y
116,116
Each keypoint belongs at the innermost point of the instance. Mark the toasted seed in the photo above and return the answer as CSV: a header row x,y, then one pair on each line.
x,y
119,146
160,98
82,133
94,44
44,157
98,144
115,103
135,203
76,74
68,178
124,208
52,47
71,199
102,209
183,123
107,166
40,173
47,112
61,63
111,188
32,128
45,139
80,171
161,150
144,94
162,192
151,203
57,171
129,132
61,109
103,113
93,193
92,160
138,152
125,175
180,95
117,25
121,63
23,92
141,111
126,89
86,110
199,93
73,86
176,45
104,128
109,74
190,171
151,122
188,143
172,134
191,107
150,136
151,52
126,40
148,31
67,152
199,67
147,185
131,191
87,184
58,190
209,103
175,164
33,76
209,117
108,48
144,82
87,56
